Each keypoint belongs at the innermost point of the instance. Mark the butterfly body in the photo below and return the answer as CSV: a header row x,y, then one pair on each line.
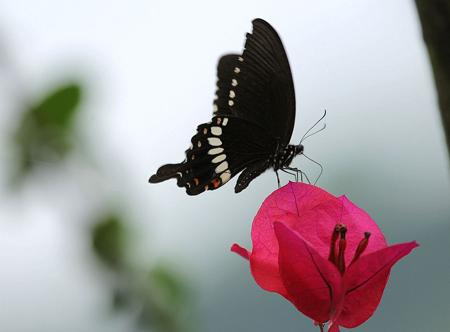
x,y
252,123
283,158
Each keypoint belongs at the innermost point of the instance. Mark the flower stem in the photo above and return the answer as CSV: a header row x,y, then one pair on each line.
x,y
321,327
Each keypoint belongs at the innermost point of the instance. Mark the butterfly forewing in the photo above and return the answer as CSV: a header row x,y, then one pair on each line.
x,y
257,85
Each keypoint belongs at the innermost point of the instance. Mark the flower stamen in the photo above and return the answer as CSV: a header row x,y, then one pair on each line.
x,y
334,237
342,245
361,247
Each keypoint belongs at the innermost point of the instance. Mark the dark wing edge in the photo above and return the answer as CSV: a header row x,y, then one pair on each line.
x,y
225,83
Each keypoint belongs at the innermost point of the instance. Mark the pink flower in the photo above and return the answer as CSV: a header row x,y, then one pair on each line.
x,y
322,253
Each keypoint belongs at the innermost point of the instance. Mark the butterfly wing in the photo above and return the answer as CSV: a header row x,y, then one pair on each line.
x,y
221,149
257,86
253,114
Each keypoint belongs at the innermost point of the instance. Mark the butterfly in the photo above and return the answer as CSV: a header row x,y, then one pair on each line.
x,y
252,123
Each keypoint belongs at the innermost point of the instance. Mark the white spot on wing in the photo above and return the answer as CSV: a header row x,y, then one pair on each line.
x,y
241,59
215,151
225,176
219,158
234,82
222,167
232,94
215,108
237,70
230,102
225,121
214,141
199,144
216,131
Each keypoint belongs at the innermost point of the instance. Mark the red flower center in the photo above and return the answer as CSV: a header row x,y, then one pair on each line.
x,y
337,248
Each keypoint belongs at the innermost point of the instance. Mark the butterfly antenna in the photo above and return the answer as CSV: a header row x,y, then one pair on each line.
x,y
315,162
317,122
317,131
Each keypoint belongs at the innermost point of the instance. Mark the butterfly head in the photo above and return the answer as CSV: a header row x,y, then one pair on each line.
x,y
298,149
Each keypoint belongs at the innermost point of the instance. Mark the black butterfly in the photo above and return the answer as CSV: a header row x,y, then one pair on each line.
x,y
253,119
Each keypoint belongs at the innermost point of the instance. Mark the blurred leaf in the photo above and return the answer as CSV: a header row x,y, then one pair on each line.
x,y
166,301
168,286
58,107
45,131
121,298
108,241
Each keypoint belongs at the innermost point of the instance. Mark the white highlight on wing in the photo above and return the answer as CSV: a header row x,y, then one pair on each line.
x,y
216,131
219,158
215,151
225,176
214,141
222,167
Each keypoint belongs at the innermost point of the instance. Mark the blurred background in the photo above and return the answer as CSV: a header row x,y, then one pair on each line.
x,y
95,95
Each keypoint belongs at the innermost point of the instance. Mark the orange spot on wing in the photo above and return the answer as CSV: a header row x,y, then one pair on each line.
x,y
196,181
215,183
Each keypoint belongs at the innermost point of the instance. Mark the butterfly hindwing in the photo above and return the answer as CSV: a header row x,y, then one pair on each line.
x,y
249,174
219,150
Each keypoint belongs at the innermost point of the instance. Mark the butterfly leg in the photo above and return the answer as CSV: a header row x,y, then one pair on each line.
x,y
293,174
299,171
306,176
278,179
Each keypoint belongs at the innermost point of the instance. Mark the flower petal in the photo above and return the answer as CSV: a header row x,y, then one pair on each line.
x,y
358,221
237,249
333,328
311,281
365,280
284,205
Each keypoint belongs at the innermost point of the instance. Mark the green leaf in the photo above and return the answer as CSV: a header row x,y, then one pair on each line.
x,y
45,133
108,241
58,107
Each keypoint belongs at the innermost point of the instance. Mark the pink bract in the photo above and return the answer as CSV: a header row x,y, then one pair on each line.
x,y
292,236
